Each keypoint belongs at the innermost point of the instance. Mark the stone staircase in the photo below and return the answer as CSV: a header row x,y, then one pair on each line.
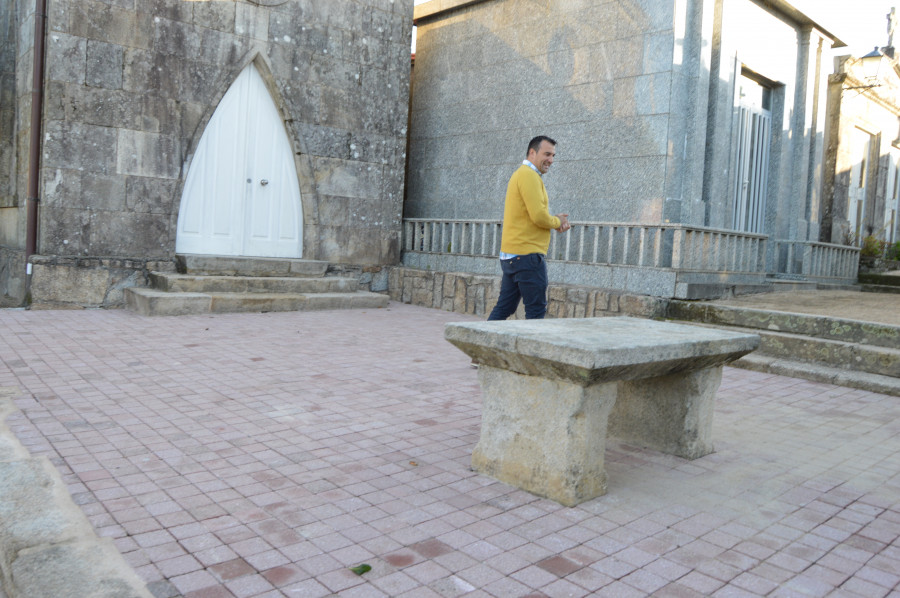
x,y
880,283
211,284
845,352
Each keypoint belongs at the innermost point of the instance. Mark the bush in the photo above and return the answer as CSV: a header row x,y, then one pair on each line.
x,y
872,247
892,252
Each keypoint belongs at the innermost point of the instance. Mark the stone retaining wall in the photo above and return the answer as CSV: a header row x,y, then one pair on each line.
x,y
76,282
371,278
476,294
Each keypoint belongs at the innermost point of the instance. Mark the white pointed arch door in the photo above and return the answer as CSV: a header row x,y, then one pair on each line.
x,y
241,195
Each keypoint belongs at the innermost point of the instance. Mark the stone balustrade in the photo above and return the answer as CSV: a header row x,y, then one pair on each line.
x,y
652,248
647,245
825,262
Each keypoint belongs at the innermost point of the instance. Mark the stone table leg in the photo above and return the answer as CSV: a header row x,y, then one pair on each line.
x,y
545,436
672,414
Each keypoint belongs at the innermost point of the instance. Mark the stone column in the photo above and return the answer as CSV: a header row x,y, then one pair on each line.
x,y
807,136
685,163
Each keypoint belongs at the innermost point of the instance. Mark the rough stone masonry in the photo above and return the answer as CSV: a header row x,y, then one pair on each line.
x,y
129,88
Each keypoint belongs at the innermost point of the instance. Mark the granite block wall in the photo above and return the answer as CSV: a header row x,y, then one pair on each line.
x,y
131,84
596,76
645,134
641,96
477,294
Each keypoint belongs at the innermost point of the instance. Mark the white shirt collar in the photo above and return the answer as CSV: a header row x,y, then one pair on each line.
x,y
528,163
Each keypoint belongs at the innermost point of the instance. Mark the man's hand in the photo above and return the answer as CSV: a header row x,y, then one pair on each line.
x,y
563,223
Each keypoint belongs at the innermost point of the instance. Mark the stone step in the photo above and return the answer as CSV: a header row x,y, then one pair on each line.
x,y
880,288
843,355
153,302
787,285
838,355
189,283
881,280
887,385
823,327
243,302
249,266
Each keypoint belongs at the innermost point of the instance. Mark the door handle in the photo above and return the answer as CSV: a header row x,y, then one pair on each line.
x,y
264,182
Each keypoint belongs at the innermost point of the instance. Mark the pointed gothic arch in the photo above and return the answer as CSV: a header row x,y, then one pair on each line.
x,y
242,193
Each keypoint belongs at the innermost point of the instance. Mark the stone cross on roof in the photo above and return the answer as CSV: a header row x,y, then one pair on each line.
x,y
892,25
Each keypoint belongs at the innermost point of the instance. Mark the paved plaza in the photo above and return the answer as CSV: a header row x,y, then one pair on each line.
x,y
263,455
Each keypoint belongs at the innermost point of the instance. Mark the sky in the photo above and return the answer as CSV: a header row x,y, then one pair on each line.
x,y
861,24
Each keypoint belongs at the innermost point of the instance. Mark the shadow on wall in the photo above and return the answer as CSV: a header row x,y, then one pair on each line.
x,y
872,217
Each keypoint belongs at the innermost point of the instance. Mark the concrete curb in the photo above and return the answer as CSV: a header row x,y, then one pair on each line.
x,y
48,548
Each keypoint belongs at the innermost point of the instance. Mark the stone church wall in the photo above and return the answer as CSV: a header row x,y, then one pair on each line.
x,y
7,102
131,84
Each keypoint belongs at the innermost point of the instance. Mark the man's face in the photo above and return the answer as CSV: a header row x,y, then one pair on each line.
x,y
543,157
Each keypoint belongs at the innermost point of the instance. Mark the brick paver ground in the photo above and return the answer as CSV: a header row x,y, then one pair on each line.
x,y
264,454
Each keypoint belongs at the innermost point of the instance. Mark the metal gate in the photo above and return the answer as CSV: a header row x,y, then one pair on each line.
x,y
751,180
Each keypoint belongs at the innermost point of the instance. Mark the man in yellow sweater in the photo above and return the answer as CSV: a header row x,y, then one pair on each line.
x,y
526,235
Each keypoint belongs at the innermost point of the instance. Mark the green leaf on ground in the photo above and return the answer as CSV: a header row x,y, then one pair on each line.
x,y
360,569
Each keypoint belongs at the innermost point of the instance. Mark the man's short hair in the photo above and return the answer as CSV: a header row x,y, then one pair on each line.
x,y
535,144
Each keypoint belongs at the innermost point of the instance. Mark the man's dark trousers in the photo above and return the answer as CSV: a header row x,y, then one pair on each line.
x,y
525,278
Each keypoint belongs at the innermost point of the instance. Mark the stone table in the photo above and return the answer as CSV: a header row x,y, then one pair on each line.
x,y
553,388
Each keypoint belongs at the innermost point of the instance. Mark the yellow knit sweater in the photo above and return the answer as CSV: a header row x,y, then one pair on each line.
x,y
526,217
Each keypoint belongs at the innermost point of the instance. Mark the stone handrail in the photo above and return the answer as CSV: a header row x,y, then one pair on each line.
x,y
817,260
676,246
